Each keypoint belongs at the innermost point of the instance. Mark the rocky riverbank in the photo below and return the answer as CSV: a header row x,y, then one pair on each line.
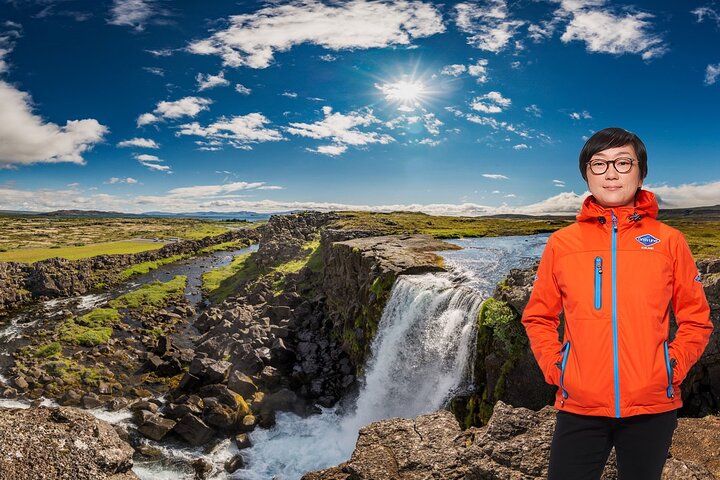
x,y
57,277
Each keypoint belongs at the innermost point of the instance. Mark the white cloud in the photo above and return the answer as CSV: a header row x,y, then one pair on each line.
x,y
492,102
510,195
430,142
185,107
706,12
289,94
606,32
134,13
128,180
479,70
520,146
212,190
253,39
155,71
341,130
208,81
534,110
559,183
711,74
687,195
242,90
331,150
239,131
584,115
152,162
138,142
165,52
489,25
565,203
494,176
25,138
454,70
328,58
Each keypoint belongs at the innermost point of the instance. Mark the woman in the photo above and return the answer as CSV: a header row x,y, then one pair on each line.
x,y
613,273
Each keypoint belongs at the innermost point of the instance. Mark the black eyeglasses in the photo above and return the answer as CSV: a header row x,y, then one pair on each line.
x,y
621,165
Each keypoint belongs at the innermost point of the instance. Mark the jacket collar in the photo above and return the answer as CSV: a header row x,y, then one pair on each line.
x,y
645,206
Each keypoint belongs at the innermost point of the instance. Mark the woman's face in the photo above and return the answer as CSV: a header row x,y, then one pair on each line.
x,y
613,189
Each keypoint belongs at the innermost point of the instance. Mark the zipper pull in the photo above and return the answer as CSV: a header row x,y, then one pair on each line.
x,y
614,221
598,265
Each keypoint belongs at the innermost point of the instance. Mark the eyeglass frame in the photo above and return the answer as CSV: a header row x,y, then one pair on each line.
x,y
608,162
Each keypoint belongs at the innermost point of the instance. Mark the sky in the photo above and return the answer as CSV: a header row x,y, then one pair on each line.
x,y
452,108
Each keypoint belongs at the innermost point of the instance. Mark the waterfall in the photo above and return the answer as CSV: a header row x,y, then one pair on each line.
x,y
421,353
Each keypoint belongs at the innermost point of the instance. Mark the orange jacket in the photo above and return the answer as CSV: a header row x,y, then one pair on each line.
x,y
614,273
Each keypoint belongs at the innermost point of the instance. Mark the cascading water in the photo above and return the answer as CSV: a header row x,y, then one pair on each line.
x,y
424,344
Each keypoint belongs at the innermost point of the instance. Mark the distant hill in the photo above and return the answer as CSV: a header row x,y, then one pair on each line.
x,y
242,215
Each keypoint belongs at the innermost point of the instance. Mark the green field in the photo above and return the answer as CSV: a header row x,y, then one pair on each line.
x,y
31,255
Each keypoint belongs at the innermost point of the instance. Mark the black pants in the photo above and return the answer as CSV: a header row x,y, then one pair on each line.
x,y
581,445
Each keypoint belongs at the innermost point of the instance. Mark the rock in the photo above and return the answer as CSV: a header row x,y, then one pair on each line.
x,y
91,401
242,441
193,430
156,427
144,405
73,445
202,468
148,451
189,382
21,383
234,463
70,398
152,363
210,371
514,444
240,383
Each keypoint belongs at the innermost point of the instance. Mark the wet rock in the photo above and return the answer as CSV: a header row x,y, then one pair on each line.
x,y
248,423
144,405
148,451
242,440
70,398
193,430
20,383
235,463
156,427
209,370
189,382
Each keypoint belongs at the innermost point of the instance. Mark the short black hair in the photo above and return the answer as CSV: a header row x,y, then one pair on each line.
x,y
611,138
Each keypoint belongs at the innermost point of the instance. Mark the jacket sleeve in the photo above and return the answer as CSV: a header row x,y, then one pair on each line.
x,y
541,317
692,312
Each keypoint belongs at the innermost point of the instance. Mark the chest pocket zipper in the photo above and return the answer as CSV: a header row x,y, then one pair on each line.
x,y
566,354
598,283
669,366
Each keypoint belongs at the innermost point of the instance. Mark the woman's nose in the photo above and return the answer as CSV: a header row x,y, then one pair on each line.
x,y
611,173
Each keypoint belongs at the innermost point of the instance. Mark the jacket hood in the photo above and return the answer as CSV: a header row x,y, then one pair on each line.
x,y
645,206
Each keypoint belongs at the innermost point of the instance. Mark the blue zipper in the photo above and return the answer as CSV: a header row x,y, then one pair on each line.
x,y
566,353
670,392
598,283
614,314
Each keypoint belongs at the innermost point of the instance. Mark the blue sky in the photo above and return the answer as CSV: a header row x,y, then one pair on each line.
x,y
456,108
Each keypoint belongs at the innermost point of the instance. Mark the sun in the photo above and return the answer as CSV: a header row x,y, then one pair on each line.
x,y
404,91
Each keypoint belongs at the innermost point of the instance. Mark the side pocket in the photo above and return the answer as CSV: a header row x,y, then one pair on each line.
x,y
598,283
670,391
566,354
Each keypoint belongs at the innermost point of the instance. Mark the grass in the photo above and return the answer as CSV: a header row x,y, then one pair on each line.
x,y
42,231
222,282
145,267
32,255
152,295
703,237
446,226
222,246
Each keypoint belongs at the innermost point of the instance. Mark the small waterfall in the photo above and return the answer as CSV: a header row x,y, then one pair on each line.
x,y
421,353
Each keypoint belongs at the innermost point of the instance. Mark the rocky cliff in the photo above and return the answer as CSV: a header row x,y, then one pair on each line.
x,y
359,274
515,444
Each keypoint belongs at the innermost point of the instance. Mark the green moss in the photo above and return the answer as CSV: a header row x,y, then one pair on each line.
x,y
152,296
505,324
145,267
100,317
223,246
49,350
223,282
71,332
